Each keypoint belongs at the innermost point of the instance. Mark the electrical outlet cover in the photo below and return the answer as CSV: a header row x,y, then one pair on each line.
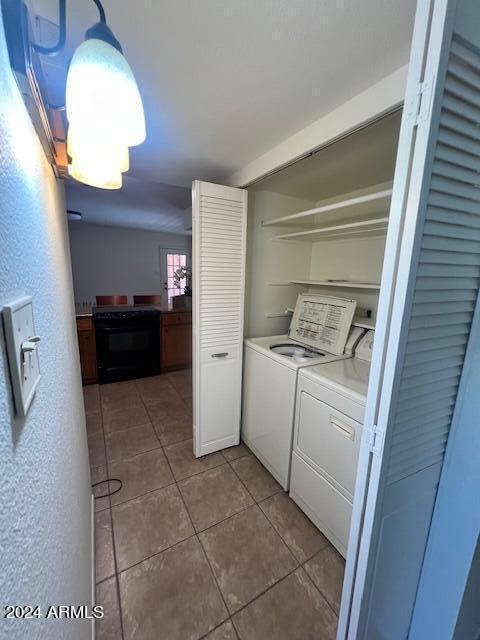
x,y
24,365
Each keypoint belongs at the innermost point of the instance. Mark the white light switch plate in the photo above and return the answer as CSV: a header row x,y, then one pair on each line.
x,y
24,365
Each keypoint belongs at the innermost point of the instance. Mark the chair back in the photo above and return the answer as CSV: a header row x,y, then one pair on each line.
x,y
153,299
107,301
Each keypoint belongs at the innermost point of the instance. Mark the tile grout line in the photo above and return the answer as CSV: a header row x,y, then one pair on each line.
x,y
300,565
300,562
137,454
259,595
117,572
145,403
241,481
245,485
107,466
229,619
142,495
198,473
320,592
201,545
229,615
136,564
196,533
130,427
114,547
257,503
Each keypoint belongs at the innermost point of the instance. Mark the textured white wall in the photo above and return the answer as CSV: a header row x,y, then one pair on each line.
x,y
115,261
272,261
359,259
45,528
276,261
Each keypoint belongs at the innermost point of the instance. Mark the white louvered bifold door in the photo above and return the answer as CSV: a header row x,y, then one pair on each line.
x,y
429,292
219,246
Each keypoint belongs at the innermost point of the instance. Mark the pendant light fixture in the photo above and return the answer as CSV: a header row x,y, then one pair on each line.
x,y
102,95
86,145
104,109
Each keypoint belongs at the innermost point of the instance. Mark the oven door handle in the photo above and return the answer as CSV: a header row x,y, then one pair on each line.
x,y
123,327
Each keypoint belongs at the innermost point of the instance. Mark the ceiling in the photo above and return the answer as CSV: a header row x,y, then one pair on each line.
x,y
362,159
223,81
139,204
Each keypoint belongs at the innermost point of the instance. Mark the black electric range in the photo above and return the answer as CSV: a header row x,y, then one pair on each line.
x,y
128,342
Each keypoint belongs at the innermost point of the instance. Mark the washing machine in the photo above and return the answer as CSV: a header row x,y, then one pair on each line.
x,y
329,414
320,332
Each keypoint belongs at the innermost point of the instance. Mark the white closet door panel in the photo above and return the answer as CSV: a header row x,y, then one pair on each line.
x,y
219,226
406,509
220,407
435,384
416,381
428,318
456,156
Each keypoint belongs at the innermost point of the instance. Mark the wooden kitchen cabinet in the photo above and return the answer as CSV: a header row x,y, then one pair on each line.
x,y
88,350
176,341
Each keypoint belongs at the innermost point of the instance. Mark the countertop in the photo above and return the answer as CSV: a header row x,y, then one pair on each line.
x,y
83,311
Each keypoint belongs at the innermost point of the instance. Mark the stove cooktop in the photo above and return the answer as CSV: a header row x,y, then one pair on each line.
x,y
125,311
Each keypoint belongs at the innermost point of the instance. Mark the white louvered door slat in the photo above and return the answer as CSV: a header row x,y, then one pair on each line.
x,y
427,306
219,245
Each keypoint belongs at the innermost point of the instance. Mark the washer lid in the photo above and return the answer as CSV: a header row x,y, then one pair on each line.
x,y
295,351
322,322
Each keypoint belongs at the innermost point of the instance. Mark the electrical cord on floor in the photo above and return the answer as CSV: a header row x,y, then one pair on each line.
x,y
110,493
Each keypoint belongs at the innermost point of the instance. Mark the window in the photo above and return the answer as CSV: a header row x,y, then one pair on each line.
x,y
171,261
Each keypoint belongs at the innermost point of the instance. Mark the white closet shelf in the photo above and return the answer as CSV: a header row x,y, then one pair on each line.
x,y
345,284
363,322
285,283
375,226
278,314
363,204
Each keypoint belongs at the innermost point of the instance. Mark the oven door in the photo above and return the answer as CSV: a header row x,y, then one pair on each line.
x,y
127,348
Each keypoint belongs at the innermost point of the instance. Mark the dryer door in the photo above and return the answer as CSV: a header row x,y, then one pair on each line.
x,y
329,440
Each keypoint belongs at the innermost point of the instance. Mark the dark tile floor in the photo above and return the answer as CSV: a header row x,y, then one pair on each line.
x,y
209,548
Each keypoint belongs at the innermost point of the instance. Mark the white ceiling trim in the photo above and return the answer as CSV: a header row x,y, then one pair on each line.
x,y
374,102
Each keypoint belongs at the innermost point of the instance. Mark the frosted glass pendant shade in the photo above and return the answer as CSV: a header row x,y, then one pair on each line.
x,y
95,174
82,146
102,96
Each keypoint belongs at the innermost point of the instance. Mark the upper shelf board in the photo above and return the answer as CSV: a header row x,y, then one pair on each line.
x,y
363,323
375,226
365,204
345,284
